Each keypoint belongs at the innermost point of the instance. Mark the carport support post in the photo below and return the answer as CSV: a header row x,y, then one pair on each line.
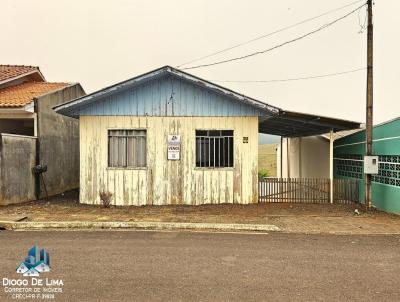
x,y
331,165
281,158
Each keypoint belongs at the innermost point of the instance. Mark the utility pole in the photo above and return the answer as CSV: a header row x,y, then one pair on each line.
x,y
370,99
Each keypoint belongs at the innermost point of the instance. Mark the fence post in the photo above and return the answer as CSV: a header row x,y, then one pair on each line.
x,y
331,164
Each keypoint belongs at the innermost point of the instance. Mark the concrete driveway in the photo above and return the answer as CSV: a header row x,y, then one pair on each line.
x,y
183,266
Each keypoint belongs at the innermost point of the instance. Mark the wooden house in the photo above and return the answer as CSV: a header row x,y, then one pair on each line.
x,y
168,137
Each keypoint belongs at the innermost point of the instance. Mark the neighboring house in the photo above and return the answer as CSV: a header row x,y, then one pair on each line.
x,y
349,153
168,137
11,75
31,134
306,157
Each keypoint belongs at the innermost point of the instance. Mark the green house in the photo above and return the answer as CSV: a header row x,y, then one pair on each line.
x,y
349,152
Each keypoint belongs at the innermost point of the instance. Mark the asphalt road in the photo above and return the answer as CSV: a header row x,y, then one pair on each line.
x,y
173,266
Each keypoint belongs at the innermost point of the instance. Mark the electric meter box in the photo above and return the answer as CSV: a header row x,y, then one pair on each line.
x,y
371,165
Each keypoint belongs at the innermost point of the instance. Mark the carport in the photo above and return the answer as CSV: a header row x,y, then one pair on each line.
x,y
290,124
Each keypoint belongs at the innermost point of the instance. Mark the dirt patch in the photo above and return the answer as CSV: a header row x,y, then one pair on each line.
x,y
66,207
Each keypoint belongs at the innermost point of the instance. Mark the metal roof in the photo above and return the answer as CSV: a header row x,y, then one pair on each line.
x,y
68,107
296,124
274,120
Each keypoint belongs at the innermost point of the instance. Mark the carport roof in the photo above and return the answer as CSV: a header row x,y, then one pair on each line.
x,y
273,120
296,124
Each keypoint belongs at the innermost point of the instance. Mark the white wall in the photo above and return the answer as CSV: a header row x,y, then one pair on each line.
x,y
164,181
306,157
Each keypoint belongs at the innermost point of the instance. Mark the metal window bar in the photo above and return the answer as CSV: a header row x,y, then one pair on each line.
x,y
209,152
214,148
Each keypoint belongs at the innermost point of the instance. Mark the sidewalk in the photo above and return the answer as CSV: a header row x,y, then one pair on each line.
x,y
65,212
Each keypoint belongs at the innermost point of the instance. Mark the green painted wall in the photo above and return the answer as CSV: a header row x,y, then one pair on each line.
x,y
349,152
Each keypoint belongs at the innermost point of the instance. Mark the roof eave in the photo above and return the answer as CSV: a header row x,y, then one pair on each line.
x,y
27,108
66,107
23,75
296,124
225,91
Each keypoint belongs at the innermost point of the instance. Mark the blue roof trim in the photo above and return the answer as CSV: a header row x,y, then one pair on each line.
x,y
72,108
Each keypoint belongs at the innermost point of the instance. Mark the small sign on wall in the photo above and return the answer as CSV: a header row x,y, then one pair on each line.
x,y
245,139
174,147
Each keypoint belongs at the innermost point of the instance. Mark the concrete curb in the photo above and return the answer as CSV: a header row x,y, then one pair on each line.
x,y
8,225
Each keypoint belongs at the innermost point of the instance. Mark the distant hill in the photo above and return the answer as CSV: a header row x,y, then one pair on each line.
x,y
268,139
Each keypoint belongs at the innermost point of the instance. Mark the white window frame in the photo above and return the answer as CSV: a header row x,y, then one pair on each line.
x,y
126,166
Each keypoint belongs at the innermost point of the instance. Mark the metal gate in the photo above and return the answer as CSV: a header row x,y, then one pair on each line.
x,y
346,190
307,190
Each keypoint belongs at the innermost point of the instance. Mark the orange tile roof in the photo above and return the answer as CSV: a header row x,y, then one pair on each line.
x,y
22,94
12,71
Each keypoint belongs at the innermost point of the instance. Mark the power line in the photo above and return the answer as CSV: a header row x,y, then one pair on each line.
x,y
279,45
362,25
269,34
293,79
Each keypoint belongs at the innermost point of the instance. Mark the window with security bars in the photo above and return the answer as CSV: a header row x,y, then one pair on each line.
x,y
127,148
214,148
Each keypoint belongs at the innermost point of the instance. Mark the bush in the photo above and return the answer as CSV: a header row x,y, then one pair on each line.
x,y
262,173
105,198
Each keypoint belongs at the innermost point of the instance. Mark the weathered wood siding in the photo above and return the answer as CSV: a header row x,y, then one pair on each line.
x,y
17,158
169,96
168,182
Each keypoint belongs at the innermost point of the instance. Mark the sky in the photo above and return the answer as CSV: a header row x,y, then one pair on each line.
x,y
99,43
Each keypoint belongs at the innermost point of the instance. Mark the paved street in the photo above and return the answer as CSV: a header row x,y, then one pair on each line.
x,y
173,266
